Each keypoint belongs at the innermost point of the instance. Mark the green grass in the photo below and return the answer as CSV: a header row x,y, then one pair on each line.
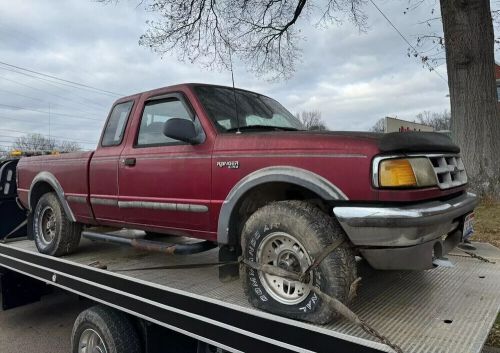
x,y
487,228
494,336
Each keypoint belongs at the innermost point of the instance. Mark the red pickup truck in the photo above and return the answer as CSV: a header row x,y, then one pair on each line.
x,y
236,168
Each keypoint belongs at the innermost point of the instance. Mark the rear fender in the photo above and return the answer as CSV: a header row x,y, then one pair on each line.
x,y
48,178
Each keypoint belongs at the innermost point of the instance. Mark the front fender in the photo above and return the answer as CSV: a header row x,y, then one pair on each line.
x,y
286,174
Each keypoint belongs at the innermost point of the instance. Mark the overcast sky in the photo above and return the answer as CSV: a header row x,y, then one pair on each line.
x,y
352,78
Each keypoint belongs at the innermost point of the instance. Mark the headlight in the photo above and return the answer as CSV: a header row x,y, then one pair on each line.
x,y
405,172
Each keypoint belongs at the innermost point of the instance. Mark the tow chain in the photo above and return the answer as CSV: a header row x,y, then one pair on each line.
x,y
335,304
304,277
479,257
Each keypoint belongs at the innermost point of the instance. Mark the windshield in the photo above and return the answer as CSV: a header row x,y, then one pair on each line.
x,y
253,110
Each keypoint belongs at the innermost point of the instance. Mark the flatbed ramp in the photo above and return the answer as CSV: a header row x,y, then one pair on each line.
x,y
441,310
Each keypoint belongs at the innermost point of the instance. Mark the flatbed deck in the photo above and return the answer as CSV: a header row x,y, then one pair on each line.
x,y
440,310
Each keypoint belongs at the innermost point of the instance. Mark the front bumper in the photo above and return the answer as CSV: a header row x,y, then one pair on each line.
x,y
406,237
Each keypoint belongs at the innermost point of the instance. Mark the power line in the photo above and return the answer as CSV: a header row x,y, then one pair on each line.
x,y
43,101
53,83
21,95
61,79
54,94
32,121
432,68
58,85
14,107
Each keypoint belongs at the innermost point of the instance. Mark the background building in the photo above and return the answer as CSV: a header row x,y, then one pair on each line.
x,y
398,125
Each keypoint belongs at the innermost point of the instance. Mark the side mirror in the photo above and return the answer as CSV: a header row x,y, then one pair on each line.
x,y
180,129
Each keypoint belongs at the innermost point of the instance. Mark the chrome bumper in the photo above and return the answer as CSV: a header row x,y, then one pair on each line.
x,y
392,231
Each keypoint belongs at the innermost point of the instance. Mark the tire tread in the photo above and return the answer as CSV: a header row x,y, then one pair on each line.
x,y
70,232
113,326
326,230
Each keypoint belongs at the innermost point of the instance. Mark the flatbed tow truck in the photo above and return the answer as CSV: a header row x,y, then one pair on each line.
x,y
447,309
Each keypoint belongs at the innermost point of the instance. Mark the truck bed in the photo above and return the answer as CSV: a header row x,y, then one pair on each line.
x,y
440,310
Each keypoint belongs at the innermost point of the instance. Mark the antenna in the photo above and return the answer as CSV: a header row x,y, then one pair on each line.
x,y
234,93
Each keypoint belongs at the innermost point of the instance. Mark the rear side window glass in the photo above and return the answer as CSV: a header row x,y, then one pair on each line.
x,y
155,114
113,133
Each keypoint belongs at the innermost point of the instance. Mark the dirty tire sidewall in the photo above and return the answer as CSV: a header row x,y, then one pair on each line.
x,y
314,230
114,328
67,234
51,201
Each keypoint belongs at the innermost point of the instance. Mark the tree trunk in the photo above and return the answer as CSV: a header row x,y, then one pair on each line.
x,y
469,41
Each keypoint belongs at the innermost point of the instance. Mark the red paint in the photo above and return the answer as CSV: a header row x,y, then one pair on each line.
x,y
164,174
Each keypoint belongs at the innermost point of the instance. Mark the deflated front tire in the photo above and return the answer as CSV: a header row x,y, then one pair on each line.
x,y
290,234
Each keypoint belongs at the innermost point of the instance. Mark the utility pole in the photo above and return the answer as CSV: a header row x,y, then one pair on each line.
x,y
49,121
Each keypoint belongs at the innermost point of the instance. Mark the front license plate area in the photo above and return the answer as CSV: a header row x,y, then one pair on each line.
x,y
468,229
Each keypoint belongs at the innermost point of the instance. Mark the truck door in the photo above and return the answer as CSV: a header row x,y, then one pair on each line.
x,y
103,172
164,183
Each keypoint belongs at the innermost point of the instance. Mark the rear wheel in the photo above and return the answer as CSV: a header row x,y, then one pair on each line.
x,y
54,233
290,234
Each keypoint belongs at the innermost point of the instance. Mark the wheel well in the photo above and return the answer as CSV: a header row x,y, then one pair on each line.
x,y
263,194
38,190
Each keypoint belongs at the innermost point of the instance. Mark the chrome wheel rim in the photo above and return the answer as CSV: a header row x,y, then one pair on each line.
x,y
285,251
91,342
47,225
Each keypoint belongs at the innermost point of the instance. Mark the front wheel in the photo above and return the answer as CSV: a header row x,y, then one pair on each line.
x,y
54,233
289,234
100,329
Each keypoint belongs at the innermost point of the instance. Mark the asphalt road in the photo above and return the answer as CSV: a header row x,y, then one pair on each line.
x,y
43,327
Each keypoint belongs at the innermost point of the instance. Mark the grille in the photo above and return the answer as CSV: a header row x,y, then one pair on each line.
x,y
450,171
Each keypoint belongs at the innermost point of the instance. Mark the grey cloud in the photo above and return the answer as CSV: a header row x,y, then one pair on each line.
x,y
353,78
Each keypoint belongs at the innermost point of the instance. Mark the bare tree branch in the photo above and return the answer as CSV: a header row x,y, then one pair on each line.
x,y
312,120
431,44
379,126
439,121
260,33
40,143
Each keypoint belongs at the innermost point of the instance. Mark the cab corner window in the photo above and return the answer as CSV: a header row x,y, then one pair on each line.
x,y
115,128
155,114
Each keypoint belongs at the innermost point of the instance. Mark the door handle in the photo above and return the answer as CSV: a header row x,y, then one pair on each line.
x,y
130,162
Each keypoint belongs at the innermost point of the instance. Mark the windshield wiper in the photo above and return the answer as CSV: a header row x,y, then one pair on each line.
x,y
262,127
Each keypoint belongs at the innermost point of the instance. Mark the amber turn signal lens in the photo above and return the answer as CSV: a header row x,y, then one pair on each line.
x,y
396,173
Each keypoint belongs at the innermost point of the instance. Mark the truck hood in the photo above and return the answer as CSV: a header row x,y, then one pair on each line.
x,y
397,141
368,143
